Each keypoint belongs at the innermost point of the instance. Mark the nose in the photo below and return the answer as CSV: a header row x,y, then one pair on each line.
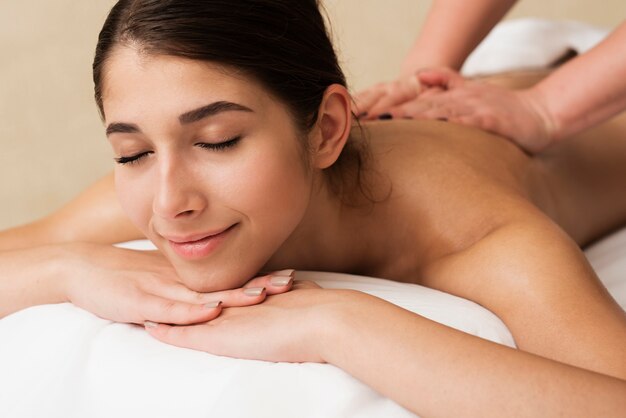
x,y
178,194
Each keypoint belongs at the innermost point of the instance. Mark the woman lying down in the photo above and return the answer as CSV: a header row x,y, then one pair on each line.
x,y
237,155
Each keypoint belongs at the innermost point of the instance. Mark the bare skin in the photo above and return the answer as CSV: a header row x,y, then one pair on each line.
x,y
465,212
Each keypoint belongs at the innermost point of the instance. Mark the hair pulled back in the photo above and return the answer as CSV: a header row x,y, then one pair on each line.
x,y
283,44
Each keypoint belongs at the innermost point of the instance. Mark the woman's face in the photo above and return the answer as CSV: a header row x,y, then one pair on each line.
x,y
212,167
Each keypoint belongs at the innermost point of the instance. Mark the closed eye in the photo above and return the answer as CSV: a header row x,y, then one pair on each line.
x,y
220,146
132,159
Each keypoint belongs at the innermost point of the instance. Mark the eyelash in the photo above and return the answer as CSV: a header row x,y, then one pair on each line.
x,y
220,146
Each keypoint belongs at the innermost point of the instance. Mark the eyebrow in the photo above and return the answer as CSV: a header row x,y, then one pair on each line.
x,y
184,119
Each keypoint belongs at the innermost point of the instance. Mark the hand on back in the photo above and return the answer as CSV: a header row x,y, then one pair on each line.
x,y
445,95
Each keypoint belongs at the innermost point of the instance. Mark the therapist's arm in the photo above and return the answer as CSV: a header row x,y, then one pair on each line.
x,y
582,93
587,90
453,28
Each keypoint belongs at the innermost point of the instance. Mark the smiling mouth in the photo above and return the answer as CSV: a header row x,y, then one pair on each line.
x,y
202,247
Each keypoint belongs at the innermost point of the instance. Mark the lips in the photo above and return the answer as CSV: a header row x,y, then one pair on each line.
x,y
193,247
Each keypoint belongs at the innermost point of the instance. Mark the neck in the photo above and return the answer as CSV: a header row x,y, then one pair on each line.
x,y
332,236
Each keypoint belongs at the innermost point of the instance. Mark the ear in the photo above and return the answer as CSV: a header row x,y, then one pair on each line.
x,y
333,127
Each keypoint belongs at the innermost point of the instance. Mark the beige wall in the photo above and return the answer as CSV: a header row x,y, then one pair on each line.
x,y
51,140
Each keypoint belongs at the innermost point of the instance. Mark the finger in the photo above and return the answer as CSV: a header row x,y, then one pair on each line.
x,y
434,114
445,104
399,92
431,92
413,109
237,297
384,106
252,293
365,101
174,290
274,282
440,77
197,337
158,309
467,120
398,112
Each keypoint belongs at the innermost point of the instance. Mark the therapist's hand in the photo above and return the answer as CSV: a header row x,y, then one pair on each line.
x,y
293,327
515,114
138,286
380,98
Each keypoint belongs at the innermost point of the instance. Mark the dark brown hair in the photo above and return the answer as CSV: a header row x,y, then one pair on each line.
x,y
283,44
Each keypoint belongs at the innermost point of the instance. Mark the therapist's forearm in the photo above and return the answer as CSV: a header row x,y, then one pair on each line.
x,y
434,370
588,89
453,28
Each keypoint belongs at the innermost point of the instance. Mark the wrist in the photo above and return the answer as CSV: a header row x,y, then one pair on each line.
x,y
60,265
540,128
537,100
337,322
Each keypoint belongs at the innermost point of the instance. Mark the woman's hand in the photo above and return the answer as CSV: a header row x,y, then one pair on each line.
x,y
516,114
290,327
138,286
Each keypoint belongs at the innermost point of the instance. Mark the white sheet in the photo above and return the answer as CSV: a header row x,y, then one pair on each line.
x,y
60,361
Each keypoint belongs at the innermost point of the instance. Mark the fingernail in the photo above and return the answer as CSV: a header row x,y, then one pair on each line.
x,y
385,116
287,272
212,305
280,280
150,324
254,291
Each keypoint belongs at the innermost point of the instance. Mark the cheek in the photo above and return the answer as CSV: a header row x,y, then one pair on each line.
x,y
275,188
134,199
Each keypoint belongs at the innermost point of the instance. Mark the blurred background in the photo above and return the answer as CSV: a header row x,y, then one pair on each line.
x,y
52,143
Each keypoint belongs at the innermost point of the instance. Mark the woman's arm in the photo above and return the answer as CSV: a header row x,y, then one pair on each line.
x,y
118,284
93,216
30,277
434,370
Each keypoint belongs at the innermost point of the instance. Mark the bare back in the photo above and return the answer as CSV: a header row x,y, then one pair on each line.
x,y
453,185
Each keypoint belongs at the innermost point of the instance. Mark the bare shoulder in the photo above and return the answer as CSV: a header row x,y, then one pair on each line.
x,y
536,279
95,216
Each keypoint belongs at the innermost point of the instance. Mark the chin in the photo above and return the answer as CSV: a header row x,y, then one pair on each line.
x,y
206,279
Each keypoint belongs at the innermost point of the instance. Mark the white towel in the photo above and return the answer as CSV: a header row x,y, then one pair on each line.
x,y
530,44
